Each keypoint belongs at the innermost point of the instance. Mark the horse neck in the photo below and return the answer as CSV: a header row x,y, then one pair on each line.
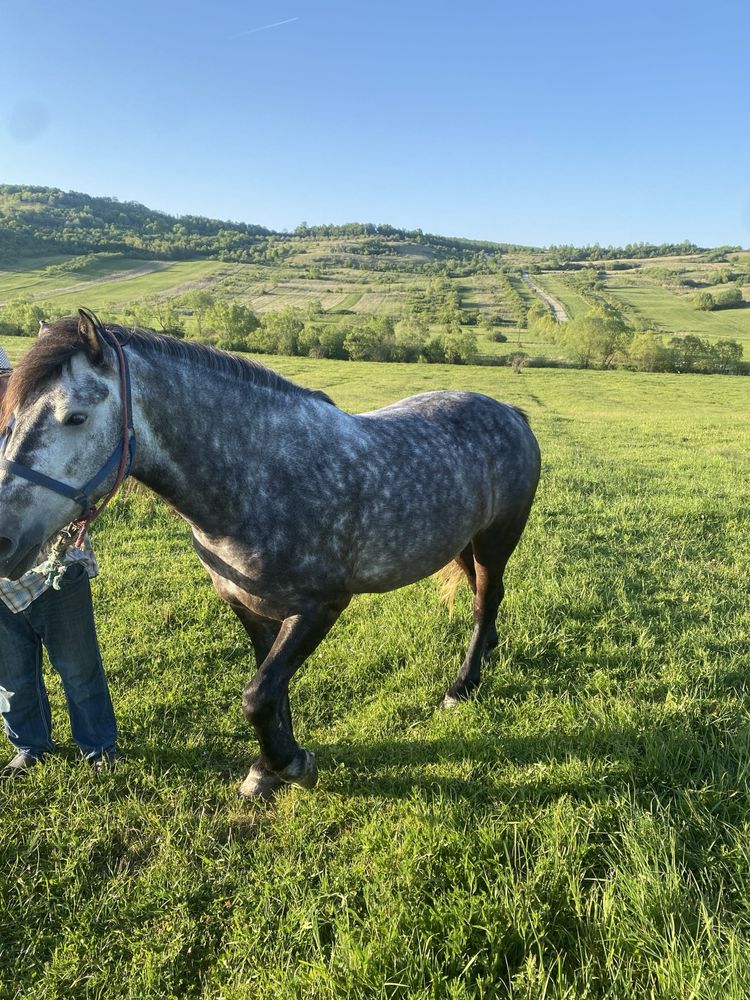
x,y
195,429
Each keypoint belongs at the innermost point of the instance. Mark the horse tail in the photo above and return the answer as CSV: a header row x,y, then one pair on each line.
x,y
449,578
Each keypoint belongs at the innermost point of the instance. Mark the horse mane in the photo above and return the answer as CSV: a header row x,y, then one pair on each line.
x,y
61,341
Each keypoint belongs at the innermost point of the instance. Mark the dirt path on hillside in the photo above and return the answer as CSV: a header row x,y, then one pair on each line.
x,y
557,308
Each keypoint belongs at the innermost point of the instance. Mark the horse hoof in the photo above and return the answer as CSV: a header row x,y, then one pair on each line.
x,y
260,783
301,770
450,700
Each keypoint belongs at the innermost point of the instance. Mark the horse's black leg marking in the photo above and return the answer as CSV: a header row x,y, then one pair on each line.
x,y
491,550
265,699
261,782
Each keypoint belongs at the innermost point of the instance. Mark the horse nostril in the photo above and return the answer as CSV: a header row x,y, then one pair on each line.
x,y
7,545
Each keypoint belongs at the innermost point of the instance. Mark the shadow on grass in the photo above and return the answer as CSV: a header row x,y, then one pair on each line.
x,y
654,755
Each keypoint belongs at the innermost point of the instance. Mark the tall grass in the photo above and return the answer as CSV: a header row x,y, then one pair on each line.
x,y
579,829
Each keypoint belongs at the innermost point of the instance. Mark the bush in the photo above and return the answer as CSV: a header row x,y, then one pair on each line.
x,y
704,301
729,299
21,318
647,353
596,337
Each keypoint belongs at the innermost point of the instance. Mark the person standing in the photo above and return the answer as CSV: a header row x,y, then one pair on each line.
x,y
39,610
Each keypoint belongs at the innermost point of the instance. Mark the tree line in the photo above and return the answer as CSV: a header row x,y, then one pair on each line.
x,y
602,338
308,332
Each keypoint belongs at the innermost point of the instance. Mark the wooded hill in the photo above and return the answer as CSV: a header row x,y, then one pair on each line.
x,y
35,221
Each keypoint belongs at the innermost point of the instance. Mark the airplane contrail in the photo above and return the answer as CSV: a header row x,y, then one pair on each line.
x,y
265,27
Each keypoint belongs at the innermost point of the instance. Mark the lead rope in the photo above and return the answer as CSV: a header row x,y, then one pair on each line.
x,y
53,568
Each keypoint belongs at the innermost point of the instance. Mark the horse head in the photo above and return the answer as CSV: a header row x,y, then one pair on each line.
x,y
61,418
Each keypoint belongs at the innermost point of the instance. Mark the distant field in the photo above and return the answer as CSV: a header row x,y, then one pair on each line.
x,y
646,291
16,347
114,282
661,309
559,289
42,282
579,830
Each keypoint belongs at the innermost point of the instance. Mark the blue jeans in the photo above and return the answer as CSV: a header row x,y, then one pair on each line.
x,y
62,620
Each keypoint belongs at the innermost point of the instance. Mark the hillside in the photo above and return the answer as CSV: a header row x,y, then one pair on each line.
x,y
59,250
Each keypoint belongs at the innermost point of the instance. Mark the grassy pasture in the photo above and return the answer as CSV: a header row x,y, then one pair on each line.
x,y
39,281
558,288
578,830
115,280
659,308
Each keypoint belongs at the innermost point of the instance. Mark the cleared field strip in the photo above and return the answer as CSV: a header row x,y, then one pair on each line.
x,y
300,293
662,310
120,285
39,283
558,288
175,279
348,302
482,292
385,303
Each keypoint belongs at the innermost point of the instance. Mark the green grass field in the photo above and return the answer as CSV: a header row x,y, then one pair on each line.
x,y
660,309
580,829
317,272
558,288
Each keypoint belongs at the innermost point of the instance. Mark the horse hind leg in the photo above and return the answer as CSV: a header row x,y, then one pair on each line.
x,y
466,561
489,552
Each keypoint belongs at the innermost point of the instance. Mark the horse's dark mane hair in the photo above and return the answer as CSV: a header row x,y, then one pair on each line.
x,y
62,340
244,369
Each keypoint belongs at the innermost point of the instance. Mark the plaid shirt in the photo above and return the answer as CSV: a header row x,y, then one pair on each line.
x,y
19,594
4,363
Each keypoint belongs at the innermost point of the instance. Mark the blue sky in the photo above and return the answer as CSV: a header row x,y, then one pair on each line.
x,y
535,123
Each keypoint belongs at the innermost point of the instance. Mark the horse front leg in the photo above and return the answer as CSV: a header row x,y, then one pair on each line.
x,y
261,782
265,703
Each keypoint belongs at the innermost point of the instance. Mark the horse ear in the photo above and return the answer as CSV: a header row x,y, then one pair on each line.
x,y
89,327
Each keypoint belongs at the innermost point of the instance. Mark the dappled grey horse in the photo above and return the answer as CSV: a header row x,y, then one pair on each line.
x,y
294,505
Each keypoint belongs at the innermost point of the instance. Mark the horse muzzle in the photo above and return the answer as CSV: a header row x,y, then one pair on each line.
x,y
17,556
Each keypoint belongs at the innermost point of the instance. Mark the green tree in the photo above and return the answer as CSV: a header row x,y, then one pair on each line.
x,y
542,324
458,345
690,353
412,334
21,318
704,301
730,298
280,330
370,338
331,342
199,303
165,316
647,353
727,357
231,320
596,337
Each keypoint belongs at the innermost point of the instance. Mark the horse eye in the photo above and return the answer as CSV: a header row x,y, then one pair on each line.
x,y
75,420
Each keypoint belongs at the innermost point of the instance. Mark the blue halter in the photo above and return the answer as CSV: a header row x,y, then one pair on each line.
x,y
83,495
